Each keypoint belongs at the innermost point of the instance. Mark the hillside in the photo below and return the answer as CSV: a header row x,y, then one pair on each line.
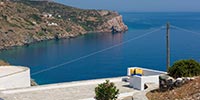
x,y
189,91
27,21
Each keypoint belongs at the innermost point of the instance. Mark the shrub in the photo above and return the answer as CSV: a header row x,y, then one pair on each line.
x,y
40,33
86,27
106,91
36,17
68,29
3,63
185,68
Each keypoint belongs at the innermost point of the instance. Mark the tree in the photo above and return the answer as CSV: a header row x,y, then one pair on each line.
x,y
106,91
185,68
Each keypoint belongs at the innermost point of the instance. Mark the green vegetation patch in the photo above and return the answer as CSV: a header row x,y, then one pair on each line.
x,y
36,17
68,29
185,68
106,91
40,33
86,27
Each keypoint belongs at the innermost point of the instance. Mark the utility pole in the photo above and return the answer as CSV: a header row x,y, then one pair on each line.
x,y
168,46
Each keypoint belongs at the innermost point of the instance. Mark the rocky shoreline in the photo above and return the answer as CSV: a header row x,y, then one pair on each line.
x,y
120,27
26,22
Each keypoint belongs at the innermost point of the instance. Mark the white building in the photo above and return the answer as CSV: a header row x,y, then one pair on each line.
x,y
59,16
52,24
12,77
1,3
148,76
47,15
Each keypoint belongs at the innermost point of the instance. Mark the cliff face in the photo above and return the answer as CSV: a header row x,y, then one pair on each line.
x,y
114,24
25,21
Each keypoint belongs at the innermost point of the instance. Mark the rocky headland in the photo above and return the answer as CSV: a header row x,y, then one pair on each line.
x,y
27,21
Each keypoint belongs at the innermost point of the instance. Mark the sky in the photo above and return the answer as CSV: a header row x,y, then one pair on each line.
x,y
137,5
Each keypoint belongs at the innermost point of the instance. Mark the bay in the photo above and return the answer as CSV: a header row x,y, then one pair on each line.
x,y
147,52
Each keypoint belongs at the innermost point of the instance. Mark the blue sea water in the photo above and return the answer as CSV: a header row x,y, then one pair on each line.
x,y
148,52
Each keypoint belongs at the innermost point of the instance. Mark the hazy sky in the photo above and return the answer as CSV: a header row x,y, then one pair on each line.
x,y
137,5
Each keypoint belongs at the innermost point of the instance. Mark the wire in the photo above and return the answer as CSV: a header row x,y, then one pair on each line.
x,y
93,53
186,30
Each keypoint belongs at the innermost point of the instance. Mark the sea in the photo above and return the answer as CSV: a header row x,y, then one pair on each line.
x,y
103,55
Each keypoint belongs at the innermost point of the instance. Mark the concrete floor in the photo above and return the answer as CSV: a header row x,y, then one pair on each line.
x,y
80,90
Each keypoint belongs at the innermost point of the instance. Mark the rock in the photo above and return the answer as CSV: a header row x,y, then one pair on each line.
x,y
166,82
113,25
186,80
179,82
33,83
179,79
1,3
103,12
192,78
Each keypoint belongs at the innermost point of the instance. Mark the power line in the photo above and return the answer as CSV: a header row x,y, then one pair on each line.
x,y
186,30
94,53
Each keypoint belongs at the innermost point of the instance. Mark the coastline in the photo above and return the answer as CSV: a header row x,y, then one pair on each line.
x,y
70,37
105,28
35,23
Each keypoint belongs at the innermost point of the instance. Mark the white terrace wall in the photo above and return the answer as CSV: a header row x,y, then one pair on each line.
x,y
17,79
146,72
150,76
138,82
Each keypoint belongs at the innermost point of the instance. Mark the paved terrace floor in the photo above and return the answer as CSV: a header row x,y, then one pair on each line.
x,y
80,90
